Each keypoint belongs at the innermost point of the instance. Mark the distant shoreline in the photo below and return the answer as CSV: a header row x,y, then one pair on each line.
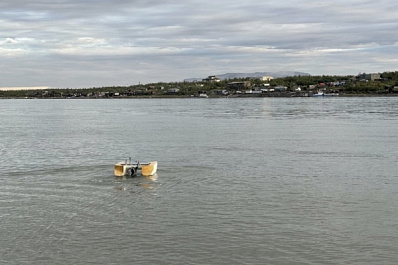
x,y
212,96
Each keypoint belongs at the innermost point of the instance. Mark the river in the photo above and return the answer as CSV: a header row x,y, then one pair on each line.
x,y
239,181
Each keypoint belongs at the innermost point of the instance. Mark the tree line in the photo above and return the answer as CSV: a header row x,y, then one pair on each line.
x,y
388,83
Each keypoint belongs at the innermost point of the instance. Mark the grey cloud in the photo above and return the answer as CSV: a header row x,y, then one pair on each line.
x,y
78,43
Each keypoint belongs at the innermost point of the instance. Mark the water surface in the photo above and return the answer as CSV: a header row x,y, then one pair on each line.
x,y
240,181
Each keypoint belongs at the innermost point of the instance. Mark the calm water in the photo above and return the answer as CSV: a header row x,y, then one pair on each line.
x,y
240,181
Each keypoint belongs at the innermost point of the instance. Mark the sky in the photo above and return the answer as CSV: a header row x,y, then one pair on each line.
x,y
96,43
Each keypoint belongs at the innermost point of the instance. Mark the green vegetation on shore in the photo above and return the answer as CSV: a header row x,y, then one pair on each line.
x,y
387,84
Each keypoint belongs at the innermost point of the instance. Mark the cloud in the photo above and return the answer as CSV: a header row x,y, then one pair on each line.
x,y
84,43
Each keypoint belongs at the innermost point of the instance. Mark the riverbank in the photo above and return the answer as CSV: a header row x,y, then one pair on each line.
x,y
210,96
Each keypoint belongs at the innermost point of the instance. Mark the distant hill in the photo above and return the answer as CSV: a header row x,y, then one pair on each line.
x,y
252,75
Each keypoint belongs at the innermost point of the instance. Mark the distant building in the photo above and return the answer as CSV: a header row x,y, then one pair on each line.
x,y
173,90
238,85
266,78
222,92
367,77
266,90
211,78
280,88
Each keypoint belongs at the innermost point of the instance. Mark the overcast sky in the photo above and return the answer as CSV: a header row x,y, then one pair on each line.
x,y
87,43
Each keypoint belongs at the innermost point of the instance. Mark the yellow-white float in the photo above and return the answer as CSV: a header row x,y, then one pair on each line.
x,y
126,168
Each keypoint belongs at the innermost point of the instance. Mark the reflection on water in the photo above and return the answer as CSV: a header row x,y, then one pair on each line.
x,y
126,183
152,177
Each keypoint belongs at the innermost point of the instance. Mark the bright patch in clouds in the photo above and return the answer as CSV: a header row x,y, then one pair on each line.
x,y
23,88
